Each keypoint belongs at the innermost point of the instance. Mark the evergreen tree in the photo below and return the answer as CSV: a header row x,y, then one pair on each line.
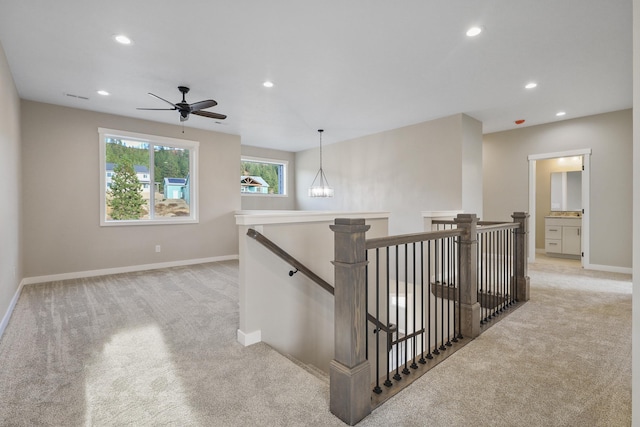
x,y
126,193
268,172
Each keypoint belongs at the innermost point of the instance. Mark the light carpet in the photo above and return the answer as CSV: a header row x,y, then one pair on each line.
x,y
159,348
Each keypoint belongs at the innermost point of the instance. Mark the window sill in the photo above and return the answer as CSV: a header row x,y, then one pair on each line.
x,y
125,223
263,195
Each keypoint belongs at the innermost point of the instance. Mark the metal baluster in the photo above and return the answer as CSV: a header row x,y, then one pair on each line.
x,y
456,275
460,292
366,303
496,251
510,256
406,309
429,355
388,382
397,374
436,265
442,260
499,308
414,347
422,361
503,260
492,244
449,256
479,280
377,388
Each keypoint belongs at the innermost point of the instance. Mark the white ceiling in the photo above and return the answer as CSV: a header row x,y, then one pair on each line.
x,y
352,67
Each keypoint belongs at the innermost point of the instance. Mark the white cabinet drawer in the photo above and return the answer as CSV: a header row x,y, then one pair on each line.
x,y
553,245
553,232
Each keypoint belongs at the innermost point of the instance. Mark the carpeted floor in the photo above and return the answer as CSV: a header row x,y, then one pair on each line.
x,y
159,348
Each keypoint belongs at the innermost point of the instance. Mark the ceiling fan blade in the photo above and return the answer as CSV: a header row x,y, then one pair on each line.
x,y
210,115
162,99
158,109
202,105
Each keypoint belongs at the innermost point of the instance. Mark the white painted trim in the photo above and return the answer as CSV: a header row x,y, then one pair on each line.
x,y
247,339
609,268
586,204
532,207
12,305
127,269
289,217
569,153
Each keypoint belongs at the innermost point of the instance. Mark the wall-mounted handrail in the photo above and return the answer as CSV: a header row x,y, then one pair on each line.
x,y
254,234
264,241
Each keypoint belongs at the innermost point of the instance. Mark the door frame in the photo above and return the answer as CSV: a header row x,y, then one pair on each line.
x,y
586,174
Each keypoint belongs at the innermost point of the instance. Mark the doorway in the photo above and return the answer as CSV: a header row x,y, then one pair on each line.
x,y
585,154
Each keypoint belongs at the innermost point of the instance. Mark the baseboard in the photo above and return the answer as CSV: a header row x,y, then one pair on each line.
x,y
609,268
12,305
128,269
250,338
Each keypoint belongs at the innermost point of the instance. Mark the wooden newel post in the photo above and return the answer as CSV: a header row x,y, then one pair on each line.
x,y
349,372
468,305
521,277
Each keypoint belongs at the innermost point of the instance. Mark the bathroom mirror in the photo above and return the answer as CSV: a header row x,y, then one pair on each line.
x,y
566,191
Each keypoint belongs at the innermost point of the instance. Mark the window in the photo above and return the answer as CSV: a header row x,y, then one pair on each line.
x,y
146,179
263,176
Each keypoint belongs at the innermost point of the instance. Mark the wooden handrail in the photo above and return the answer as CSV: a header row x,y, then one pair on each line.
x,y
264,241
498,226
453,222
381,242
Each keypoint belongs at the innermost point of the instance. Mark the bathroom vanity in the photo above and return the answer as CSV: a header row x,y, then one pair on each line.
x,y
562,236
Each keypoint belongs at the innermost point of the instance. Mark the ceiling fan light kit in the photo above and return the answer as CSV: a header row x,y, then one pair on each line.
x,y
185,109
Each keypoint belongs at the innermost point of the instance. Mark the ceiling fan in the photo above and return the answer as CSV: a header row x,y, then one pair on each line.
x,y
185,108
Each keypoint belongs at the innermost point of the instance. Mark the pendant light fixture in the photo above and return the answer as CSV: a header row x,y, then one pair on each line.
x,y
321,188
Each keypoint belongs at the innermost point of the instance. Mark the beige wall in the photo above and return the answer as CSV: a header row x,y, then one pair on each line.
x,y
258,202
471,165
11,259
402,171
292,314
62,232
609,136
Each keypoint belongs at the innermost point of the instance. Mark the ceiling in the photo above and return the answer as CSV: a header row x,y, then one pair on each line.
x,y
351,67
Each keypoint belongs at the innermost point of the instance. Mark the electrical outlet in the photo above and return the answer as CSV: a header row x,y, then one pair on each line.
x,y
157,248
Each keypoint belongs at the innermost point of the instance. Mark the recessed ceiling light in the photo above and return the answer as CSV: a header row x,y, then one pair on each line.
x,y
267,84
121,38
474,31
530,85
561,113
103,93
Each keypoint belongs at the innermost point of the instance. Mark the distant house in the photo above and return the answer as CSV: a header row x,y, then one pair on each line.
x,y
253,184
142,172
176,188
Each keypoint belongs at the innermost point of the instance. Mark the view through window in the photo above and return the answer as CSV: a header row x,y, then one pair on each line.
x,y
147,179
263,176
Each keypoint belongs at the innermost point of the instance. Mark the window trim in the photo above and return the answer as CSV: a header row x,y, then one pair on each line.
x,y
284,163
193,146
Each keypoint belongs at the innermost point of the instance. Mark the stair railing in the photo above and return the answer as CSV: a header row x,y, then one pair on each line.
x,y
428,293
427,284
